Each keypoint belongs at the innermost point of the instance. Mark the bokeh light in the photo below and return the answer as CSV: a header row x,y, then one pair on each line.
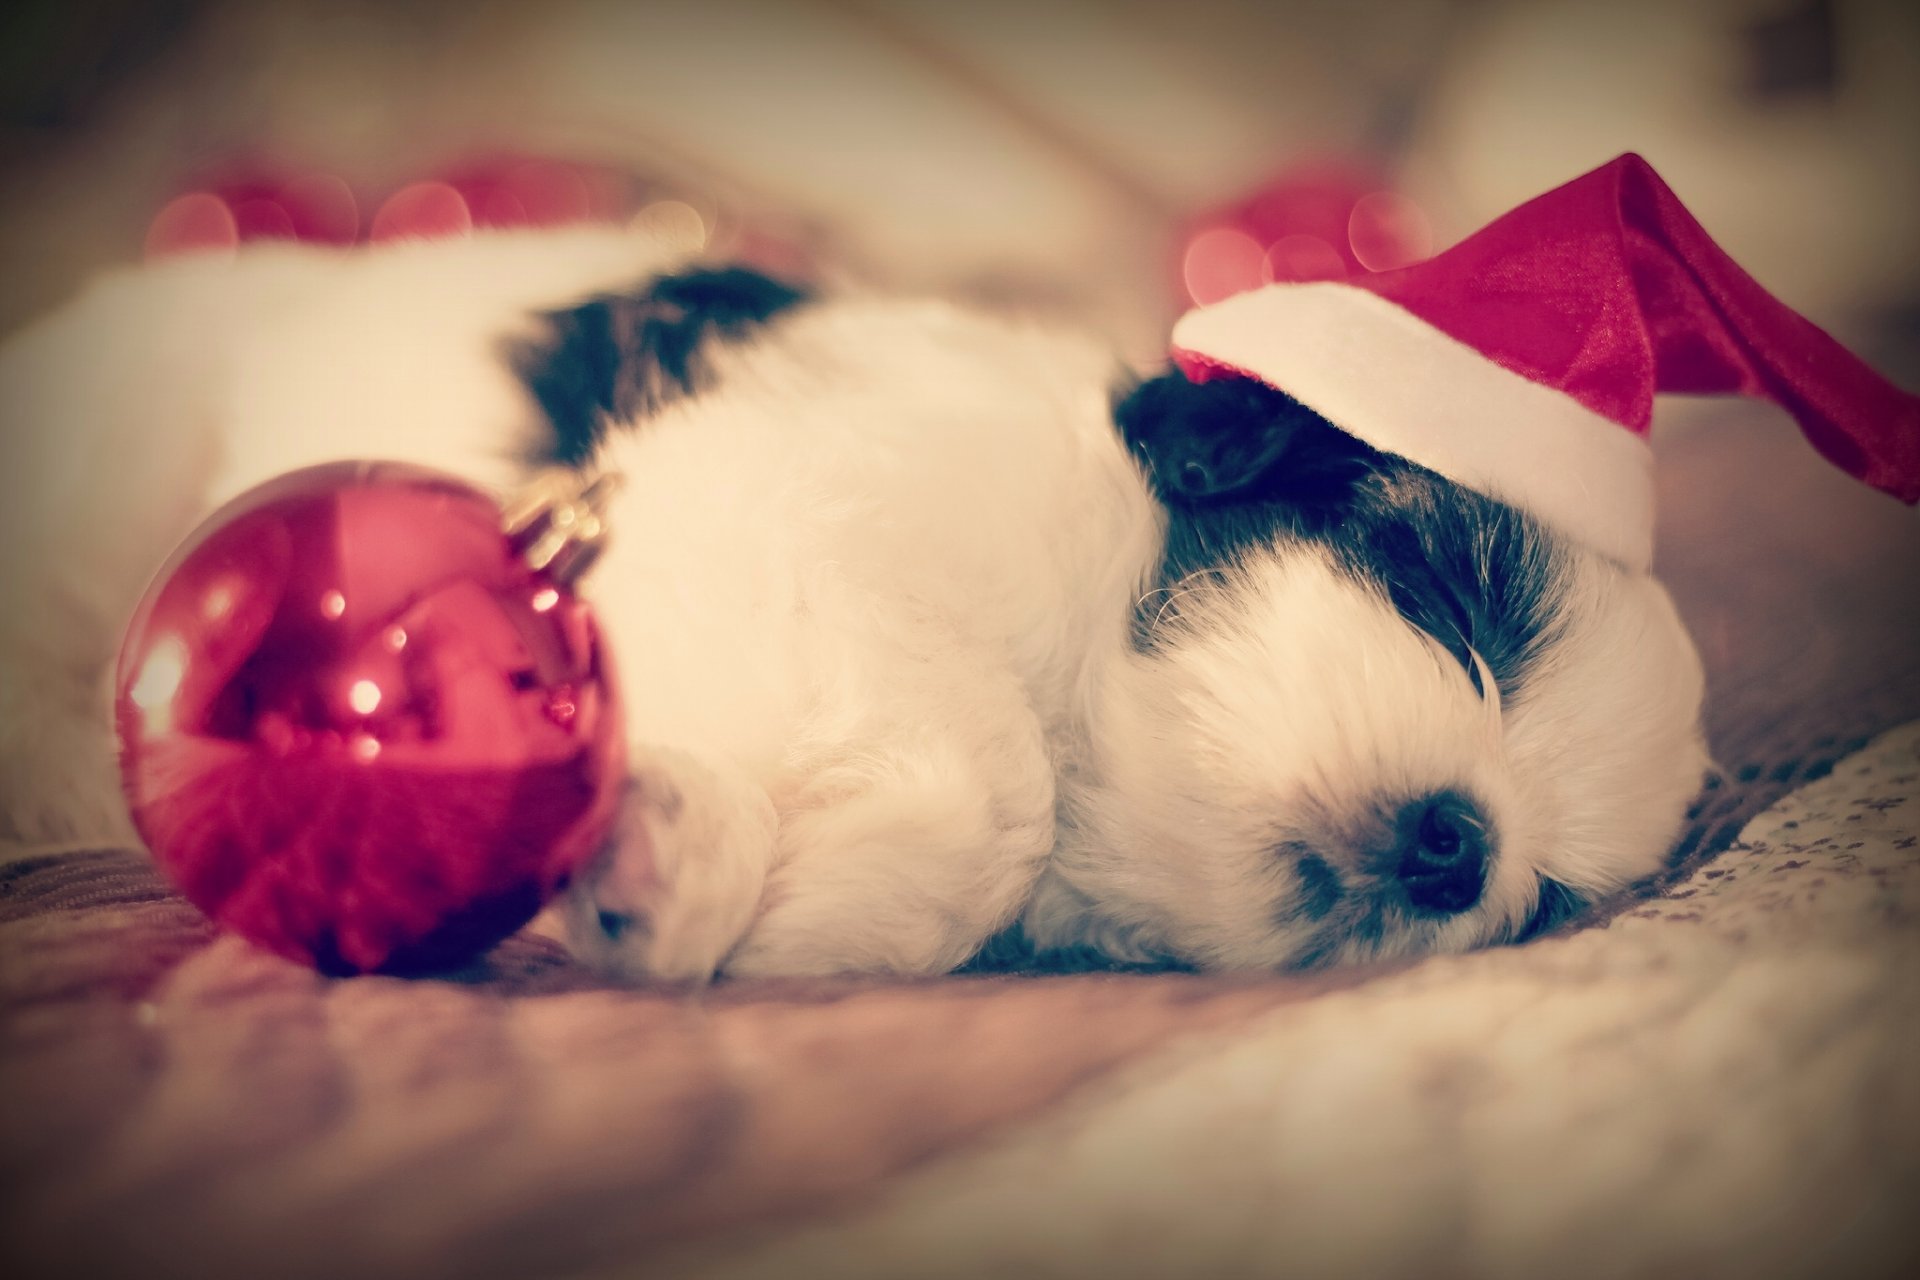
x,y
675,223
197,222
422,210
261,218
1300,258
1220,262
1388,231
364,697
323,208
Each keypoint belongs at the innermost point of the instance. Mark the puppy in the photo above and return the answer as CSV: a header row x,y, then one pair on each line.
x,y
922,642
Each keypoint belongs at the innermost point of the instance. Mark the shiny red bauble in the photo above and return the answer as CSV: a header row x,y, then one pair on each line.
x,y
359,729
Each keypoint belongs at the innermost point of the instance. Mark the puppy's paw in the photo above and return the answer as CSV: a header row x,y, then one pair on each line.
x,y
680,880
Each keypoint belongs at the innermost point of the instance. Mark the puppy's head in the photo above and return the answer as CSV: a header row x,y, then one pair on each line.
x,y
1367,712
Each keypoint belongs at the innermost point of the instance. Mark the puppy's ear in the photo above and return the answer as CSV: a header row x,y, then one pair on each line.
x,y
616,358
1235,440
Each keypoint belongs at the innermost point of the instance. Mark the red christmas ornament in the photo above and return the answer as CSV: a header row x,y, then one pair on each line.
x,y
365,723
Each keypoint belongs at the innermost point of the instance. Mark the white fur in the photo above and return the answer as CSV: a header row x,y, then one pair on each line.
x,y
869,599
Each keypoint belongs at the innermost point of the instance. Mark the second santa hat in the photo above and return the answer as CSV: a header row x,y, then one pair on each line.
x,y
1523,362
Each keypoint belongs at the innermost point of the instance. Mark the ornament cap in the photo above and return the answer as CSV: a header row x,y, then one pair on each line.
x,y
557,523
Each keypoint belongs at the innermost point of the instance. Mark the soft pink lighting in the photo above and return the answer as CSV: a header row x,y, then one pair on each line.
x,y
1387,231
193,223
323,208
422,211
1300,258
262,218
1220,262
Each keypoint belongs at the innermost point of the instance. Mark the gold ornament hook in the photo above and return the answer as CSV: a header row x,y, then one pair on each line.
x,y
557,522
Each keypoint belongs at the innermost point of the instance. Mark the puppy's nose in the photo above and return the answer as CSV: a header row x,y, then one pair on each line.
x,y
1443,853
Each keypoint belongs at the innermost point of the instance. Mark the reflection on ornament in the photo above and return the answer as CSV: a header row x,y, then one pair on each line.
x,y
219,602
364,697
157,682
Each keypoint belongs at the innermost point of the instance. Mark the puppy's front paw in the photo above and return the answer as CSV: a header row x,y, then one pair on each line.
x,y
680,880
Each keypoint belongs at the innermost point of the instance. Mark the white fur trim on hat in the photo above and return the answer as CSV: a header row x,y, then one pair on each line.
x,y
1389,378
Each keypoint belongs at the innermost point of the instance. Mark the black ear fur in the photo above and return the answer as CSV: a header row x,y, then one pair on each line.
x,y
618,357
1236,464
1236,440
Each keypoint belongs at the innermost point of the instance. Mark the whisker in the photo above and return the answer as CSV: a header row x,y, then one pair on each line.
x,y
1187,585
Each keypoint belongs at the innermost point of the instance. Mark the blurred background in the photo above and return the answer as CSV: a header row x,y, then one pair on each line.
x,y
1071,156
1109,161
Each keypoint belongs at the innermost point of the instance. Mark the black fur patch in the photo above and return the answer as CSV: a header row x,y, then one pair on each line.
x,y
618,357
1557,905
1320,887
1239,465
1011,951
1208,442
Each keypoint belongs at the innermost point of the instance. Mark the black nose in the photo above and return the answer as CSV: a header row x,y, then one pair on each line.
x,y
1443,853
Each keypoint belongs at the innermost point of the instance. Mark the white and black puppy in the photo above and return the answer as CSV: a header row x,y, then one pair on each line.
x,y
922,643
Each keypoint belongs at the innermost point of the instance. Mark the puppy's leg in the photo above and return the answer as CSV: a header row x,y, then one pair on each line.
x,y
895,854
905,854
681,877
908,877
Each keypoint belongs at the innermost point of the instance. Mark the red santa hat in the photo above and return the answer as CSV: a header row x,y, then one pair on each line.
x,y
1523,361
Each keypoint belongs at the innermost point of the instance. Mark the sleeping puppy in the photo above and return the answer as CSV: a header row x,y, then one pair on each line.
x,y
923,642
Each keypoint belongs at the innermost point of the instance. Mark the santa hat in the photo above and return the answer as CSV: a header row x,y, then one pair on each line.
x,y
1523,361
